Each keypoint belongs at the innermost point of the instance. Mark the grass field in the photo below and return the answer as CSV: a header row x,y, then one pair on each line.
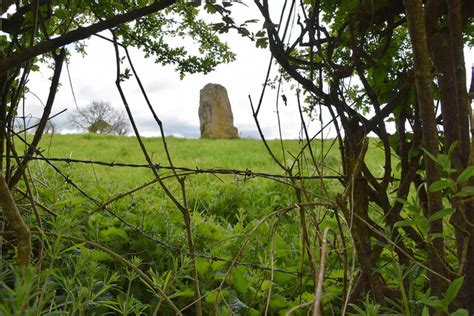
x,y
237,154
230,215
217,194
241,154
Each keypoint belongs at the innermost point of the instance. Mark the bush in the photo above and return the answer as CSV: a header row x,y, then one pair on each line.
x,y
100,117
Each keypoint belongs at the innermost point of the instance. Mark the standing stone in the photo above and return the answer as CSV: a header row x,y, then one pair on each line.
x,y
215,113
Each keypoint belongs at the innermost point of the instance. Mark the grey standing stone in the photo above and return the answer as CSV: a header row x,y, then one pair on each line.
x,y
215,113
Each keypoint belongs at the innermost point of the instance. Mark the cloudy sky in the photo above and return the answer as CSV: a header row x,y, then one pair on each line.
x,y
176,101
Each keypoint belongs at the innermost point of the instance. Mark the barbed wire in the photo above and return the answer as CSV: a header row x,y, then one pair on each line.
x,y
197,170
151,236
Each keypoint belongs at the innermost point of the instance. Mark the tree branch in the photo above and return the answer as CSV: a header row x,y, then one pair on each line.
x,y
80,33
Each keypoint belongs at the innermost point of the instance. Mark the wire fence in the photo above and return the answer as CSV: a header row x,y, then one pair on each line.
x,y
104,205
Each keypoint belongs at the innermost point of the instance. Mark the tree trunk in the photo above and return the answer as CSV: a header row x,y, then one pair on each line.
x,y
423,81
357,216
467,291
446,46
15,221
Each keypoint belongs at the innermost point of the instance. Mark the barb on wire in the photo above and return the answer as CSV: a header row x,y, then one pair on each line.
x,y
245,173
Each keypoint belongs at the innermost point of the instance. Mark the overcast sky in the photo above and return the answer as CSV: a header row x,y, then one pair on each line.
x,y
176,101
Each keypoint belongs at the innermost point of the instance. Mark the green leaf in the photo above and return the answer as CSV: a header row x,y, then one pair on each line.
x,y
444,161
467,191
278,302
465,174
405,222
430,155
358,309
452,148
268,25
426,311
453,290
434,236
243,31
240,280
441,214
283,278
113,233
61,13
185,293
460,312
98,255
440,185
419,220
433,302
262,42
253,312
211,297
213,8
219,265
202,266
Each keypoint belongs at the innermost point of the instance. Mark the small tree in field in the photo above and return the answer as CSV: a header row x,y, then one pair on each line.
x,y
101,118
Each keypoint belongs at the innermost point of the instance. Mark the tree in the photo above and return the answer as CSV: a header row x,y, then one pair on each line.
x,y
358,60
415,16
100,117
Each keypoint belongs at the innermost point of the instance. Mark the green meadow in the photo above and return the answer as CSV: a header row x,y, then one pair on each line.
x,y
246,229
214,193
240,154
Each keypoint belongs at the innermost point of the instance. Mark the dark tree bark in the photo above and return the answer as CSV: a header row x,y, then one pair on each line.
x,y
467,291
358,215
423,81
447,51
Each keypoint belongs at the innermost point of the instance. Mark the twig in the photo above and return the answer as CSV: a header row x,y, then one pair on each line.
x,y
319,286
272,272
58,59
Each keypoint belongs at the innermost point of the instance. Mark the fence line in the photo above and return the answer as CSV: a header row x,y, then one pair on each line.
x,y
137,229
244,173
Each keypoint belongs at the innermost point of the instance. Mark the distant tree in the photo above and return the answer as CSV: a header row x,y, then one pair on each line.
x,y
101,118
